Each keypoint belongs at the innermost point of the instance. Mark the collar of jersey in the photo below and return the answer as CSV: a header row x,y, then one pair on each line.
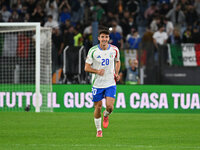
x,y
102,49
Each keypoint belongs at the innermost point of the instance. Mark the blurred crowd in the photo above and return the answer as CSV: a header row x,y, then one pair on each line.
x,y
130,21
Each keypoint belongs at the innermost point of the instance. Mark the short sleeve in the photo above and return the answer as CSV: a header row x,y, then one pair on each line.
x,y
117,56
89,58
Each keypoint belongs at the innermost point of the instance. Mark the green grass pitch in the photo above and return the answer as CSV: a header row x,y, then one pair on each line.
x,y
76,131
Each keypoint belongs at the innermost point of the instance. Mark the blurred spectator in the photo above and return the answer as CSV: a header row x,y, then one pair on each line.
x,y
175,38
164,8
52,9
42,3
131,24
150,12
187,35
143,6
133,7
133,40
30,5
15,8
58,46
184,4
16,5
140,21
87,30
5,3
14,17
169,26
131,74
197,7
87,36
87,11
110,16
104,4
27,18
78,38
19,5
116,38
148,36
98,12
160,37
124,22
119,8
69,36
51,23
147,49
64,3
5,13
65,27
38,15
154,24
177,16
65,10
65,15
127,22
1,19
195,35
77,11
191,15
118,27
82,11
23,12
79,27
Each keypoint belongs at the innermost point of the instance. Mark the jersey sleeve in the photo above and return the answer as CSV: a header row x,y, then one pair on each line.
x,y
89,58
117,56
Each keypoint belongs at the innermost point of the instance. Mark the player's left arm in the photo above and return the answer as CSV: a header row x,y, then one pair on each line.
x,y
117,64
117,68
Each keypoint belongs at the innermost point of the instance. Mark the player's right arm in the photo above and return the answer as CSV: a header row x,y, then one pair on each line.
x,y
88,68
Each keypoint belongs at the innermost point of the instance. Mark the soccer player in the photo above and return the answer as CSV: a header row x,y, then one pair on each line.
x,y
104,64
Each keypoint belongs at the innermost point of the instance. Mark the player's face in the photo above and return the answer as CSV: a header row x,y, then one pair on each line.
x,y
103,39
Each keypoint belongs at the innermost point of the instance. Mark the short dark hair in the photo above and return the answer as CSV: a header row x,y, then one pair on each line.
x,y
160,26
50,16
104,32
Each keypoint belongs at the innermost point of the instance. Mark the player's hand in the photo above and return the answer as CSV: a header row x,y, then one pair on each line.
x,y
101,72
117,77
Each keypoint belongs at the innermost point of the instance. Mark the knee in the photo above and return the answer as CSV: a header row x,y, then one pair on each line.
x,y
98,108
109,108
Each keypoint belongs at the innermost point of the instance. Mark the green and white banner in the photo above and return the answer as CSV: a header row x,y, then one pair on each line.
x,y
78,98
184,54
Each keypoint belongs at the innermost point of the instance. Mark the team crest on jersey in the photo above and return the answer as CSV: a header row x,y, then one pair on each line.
x,y
99,56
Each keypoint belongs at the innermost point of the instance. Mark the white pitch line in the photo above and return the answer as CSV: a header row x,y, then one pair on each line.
x,y
104,145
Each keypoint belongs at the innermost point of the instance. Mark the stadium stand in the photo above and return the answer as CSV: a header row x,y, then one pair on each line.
x,y
134,21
